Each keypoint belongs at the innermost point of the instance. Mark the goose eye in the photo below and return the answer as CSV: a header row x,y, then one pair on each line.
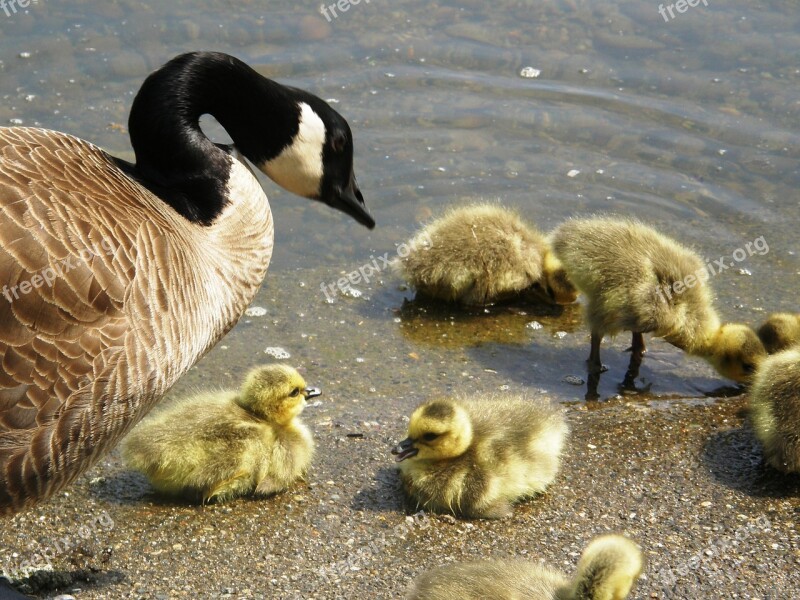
x,y
748,368
429,437
294,393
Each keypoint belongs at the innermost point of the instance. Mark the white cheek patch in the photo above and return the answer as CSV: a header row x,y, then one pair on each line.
x,y
299,167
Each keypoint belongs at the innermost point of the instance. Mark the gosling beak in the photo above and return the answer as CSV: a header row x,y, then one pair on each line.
x,y
351,202
313,392
404,450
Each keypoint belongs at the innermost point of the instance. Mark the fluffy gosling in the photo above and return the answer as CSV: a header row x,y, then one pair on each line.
x,y
218,446
780,331
607,570
635,279
474,458
483,254
775,409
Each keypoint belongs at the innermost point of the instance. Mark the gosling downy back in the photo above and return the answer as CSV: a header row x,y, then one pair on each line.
x,y
780,331
119,277
477,255
607,570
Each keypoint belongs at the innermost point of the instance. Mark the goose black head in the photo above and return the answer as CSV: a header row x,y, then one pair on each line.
x,y
317,161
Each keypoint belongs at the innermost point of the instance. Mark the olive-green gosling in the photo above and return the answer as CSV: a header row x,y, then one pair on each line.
x,y
217,446
483,254
636,279
607,570
473,458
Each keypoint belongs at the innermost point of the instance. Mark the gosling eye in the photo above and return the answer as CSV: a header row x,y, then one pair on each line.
x,y
749,368
429,437
294,393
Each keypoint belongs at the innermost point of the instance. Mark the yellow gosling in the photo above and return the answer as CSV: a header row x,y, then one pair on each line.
x,y
474,458
218,446
483,254
636,279
607,570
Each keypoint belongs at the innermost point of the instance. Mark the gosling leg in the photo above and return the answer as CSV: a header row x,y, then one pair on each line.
x,y
595,368
223,488
637,352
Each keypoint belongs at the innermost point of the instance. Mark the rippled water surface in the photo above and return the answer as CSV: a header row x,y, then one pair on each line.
x,y
690,124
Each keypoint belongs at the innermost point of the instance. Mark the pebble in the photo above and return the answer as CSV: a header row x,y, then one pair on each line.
x,y
530,73
277,352
255,311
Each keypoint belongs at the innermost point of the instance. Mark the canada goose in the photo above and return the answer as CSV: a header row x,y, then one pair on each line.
x,y
475,457
607,570
637,280
780,331
775,409
482,254
119,277
219,446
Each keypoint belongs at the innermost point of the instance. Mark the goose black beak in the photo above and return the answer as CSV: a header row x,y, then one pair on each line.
x,y
404,450
313,392
351,202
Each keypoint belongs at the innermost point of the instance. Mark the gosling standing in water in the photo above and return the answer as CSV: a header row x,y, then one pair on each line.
x,y
483,254
218,446
780,331
474,458
635,279
775,409
607,570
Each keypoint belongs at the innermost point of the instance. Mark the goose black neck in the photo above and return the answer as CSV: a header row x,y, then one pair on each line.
x,y
174,158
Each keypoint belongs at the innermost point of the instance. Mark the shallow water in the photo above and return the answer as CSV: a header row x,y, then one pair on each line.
x,y
690,124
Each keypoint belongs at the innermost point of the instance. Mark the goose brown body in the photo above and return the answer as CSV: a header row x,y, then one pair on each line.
x,y
118,277
607,570
140,294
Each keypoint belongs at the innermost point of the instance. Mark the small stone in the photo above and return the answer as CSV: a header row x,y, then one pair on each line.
x,y
574,380
255,311
529,73
535,325
278,353
573,172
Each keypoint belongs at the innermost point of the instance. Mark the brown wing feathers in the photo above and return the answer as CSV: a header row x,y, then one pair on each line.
x,y
64,333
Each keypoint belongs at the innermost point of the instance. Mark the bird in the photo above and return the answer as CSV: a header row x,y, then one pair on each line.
x,y
120,276
607,570
474,456
216,446
636,279
482,254
780,331
774,409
